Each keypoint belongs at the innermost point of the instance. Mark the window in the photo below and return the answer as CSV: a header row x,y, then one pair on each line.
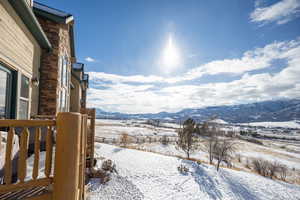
x,y
65,85
6,94
4,79
24,98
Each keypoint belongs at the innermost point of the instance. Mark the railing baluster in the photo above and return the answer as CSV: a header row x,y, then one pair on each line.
x,y
8,161
48,161
37,138
22,164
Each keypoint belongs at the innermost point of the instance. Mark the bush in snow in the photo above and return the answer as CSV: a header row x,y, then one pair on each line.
x,y
164,140
104,176
282,171
255,141
270,169
187,137
248,164
183,169
260,166
124,140
273,168
239,157
108,165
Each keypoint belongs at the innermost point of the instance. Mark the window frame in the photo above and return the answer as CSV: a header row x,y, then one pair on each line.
x,y
11,93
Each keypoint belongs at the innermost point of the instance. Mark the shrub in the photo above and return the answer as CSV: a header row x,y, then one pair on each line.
x,y
183,169
239,157
259,166
124,139
108,165
255,141
164,140
270,169
248,164
102,175
282,170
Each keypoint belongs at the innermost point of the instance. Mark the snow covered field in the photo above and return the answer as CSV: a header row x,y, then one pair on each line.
x,y
282,151
143,175
115,128
245,149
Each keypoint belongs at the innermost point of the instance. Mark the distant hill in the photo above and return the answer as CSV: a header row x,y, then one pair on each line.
x,y
280,110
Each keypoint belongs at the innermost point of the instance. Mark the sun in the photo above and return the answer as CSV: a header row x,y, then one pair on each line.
x,y
171,59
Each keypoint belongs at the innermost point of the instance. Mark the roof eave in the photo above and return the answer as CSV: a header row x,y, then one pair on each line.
x,y
29,19
55,18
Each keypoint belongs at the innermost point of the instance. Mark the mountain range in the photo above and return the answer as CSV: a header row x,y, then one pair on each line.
x,y
277,110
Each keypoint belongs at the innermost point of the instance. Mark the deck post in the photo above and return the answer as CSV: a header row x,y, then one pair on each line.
x,y
67,157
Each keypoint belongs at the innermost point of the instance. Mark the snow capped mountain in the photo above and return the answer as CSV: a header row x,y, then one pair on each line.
x,y
280,110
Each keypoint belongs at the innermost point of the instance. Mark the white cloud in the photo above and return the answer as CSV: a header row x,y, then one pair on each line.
x,y
123,94
280,12
90,59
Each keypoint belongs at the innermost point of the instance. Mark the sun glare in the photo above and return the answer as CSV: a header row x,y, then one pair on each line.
x,y
171,57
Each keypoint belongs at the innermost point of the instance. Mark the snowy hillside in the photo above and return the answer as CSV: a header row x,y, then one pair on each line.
x,y
145,175
277,110
288,124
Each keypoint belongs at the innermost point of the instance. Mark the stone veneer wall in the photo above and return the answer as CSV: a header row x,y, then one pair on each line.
x,y
83,98
58,35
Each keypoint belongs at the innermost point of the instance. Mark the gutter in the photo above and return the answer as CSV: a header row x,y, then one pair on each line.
x,y
29,19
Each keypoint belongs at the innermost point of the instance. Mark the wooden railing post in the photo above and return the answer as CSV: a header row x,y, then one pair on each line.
x,y
67,157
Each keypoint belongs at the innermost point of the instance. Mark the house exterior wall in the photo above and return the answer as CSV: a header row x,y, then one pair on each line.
x,y
19,51
50,72
83,99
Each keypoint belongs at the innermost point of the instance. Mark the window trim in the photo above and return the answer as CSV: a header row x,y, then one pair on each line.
x,y
11,100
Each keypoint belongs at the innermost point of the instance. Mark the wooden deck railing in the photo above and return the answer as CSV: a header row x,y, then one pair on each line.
x,y
67,181
91,113
9,186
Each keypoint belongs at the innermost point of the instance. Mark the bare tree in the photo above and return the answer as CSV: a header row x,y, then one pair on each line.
x,y
223,151
187,137
211,133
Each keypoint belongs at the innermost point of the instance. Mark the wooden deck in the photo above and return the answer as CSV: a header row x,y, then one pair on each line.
x,y
34,193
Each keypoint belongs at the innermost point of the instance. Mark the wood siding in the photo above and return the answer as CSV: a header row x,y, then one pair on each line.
x,y
18,48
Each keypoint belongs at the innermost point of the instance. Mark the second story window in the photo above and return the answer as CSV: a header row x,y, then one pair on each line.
x,y
24,98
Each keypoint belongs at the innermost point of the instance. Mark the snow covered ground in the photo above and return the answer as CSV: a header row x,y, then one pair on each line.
x,y
143,175
115,128
245,149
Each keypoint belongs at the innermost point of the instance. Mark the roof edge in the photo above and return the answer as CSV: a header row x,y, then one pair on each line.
x,y
31,22
48,15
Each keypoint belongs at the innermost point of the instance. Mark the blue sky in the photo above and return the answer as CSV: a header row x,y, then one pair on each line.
x,y
153,55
